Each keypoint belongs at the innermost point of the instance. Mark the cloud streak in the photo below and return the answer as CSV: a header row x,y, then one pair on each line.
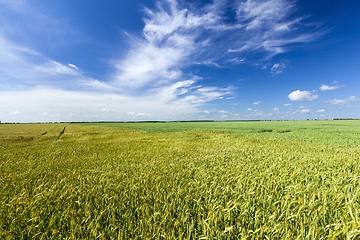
x,y
343,101
325,87
22,65
176,32
269,28
65,105
152,79
277,68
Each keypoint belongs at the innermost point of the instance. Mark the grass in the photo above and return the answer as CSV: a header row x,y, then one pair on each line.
x,y
94,182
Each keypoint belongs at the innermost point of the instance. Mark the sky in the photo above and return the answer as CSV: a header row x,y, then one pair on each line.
x,y
169,60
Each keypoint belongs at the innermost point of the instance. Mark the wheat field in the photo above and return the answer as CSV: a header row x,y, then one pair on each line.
x,y
68,181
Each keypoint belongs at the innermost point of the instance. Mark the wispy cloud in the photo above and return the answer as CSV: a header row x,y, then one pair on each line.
x,y
268,27
209,63
149,64
324,87
152,78
94,84
177,35
65,105
302,111
258,114
22,66
73,66
223,111
170,37
176,32
343,101
302,96
21,61
277,68
17,5
53,68
258,14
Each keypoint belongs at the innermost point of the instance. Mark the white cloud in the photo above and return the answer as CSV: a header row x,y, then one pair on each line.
x,y
14,61
301,96
147,63
277,68
73,66
170,35
177,100
321,110
173,37
268,26
287,104
15,113
257,103
302,111
275,109
185,91
344,101
21,60
222,111
301,107
209,63
236,60
22,66
249,109
52,68
326,88
95,84
263,13
62,105
259,114
207,89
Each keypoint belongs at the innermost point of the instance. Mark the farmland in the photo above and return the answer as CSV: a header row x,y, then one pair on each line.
x,y
214,180
340,133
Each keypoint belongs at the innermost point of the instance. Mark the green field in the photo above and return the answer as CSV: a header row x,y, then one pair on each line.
x,y
213,180
335,132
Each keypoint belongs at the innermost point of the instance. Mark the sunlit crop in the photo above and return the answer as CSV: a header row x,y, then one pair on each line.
x,y
95,182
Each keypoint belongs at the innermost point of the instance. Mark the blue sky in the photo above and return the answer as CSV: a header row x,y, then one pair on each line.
x,y
170,60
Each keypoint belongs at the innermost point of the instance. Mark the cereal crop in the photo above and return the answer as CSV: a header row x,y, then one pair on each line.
x,y
93,182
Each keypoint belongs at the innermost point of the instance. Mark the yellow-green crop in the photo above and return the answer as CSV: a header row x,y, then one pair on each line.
x,y
111,183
